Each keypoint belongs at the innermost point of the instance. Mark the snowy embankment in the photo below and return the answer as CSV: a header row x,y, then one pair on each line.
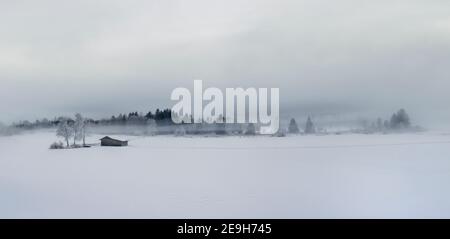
x,y
345,176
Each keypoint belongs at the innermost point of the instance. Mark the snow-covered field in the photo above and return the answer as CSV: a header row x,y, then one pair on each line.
x,y
345,176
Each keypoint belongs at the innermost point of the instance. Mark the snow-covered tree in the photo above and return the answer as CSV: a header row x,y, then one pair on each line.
x,y
309,127
78,128
293,127
84,130
65,131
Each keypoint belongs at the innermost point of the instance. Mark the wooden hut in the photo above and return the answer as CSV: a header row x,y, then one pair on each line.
x,y
108,141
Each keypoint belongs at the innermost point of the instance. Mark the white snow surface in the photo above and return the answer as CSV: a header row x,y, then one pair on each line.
x,y
333,176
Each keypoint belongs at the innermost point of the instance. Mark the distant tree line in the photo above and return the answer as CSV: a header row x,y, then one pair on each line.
x,y
160,122
161,117
157,122
399,121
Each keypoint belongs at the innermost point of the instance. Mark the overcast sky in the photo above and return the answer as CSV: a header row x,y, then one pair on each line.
x,y
103,57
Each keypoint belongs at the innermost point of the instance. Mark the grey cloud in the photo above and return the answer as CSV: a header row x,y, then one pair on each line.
x,y
103,57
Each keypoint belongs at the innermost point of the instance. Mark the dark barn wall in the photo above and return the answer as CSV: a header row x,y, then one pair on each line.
x,y
112,142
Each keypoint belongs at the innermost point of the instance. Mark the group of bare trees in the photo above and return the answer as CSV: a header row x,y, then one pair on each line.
x,y
72,129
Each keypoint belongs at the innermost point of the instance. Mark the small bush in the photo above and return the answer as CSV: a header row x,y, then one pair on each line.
x,y
57,145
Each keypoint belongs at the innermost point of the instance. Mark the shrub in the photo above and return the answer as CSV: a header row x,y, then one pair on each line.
x,y
57,145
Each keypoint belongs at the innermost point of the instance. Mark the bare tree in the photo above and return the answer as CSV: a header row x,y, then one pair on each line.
x,y
65,131
78,128
84,131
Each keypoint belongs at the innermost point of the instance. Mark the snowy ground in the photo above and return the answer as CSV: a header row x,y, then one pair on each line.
x,y
345,176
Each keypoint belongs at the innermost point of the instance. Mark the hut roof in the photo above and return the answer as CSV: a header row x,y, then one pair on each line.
x,y
107,137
